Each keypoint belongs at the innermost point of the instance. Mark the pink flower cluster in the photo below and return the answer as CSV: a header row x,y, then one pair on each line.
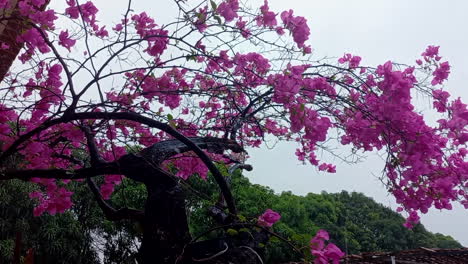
x,y
441,73
65,40
163,88
411,220
252,67
298,27
108,187
33,40
267,18
241,25
188,166
440,100
205,91
88,13
200,23
268,218
442,69
228,9
57,199
33,10
324,254
157,38
353,60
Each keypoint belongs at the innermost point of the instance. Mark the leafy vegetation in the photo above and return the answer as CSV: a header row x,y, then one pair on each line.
x,y
356,223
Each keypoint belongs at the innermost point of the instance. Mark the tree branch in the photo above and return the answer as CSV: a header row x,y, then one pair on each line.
x,y
164,150
171,131
89,172
110,212
93,149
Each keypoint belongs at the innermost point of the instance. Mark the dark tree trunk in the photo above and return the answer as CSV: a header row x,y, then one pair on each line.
x,y
166,236
165,227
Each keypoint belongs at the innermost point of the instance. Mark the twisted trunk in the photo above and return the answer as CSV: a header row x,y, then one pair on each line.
x,y
166,236
165,227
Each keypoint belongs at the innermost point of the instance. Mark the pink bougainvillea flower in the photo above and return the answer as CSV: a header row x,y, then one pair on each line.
x,y
65,40
324,254
267,18
268,218
441,73
298,27
228,9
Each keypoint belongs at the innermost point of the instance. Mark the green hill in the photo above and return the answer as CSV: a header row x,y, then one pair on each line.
x,y
356,223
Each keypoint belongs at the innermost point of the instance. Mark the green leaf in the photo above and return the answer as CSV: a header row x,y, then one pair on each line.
x,y
191,58
274,239
213,5
170,117
242,218
218,19
245,230
232,232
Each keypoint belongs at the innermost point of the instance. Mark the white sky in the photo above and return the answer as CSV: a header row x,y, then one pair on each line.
x,y
378,31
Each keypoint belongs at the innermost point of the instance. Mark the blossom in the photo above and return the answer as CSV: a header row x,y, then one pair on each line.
x,y
267,17
240,24
353,60
431,51
44,18
298,27
412,219
228,9
440,100
268,218
65,41
323,254
200,23
327,167
34,39
334,253
441,73
100,32
118,27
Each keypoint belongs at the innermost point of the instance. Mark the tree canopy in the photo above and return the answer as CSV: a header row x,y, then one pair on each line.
x,y
156,103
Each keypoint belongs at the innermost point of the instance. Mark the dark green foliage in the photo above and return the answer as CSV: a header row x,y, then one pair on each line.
x,y
77,236
55,239
356,223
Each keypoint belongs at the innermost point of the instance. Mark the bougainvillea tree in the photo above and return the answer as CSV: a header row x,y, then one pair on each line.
x,y
158,103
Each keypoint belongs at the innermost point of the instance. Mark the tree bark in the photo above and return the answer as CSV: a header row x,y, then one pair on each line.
x,y
165,227
12,24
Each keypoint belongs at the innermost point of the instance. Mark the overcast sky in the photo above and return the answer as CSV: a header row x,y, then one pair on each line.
x,y
377,30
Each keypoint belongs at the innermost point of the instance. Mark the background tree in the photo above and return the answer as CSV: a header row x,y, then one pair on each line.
x,y
158,103
65,238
